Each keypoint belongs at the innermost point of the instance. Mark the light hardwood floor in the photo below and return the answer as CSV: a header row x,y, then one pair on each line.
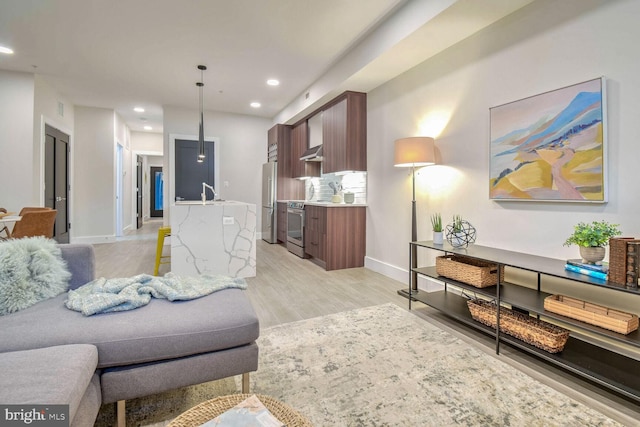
x,y
287,288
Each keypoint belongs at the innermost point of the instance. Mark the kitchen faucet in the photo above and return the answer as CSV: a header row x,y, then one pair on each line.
x,y
204,189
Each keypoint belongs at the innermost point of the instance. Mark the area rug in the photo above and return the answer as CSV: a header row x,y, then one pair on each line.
x,y
382,366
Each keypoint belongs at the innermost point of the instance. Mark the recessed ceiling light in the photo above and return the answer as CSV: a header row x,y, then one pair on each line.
x,y
255,104
138,110
5,50
148,128
273,82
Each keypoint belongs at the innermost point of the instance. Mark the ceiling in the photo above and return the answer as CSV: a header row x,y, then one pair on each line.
x,y
119,54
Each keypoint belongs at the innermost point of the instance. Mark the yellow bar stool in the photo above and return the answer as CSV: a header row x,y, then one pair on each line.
x,y
162,233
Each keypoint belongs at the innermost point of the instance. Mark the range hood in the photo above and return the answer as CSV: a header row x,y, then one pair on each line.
x,y
313,154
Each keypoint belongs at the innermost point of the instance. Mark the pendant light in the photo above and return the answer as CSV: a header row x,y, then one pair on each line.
x,y
200,85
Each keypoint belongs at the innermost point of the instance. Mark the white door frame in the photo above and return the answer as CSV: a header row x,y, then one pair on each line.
x,y
119,187
135,154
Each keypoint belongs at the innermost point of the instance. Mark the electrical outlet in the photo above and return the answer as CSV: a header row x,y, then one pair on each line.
x,y
227,220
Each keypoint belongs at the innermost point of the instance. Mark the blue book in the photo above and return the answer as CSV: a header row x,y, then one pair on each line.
x,y
604,267
595,274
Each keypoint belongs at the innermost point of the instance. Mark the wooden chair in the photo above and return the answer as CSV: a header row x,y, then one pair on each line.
x,y
35,223
33,209
4,228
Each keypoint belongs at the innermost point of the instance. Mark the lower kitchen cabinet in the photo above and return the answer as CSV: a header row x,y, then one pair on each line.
x,y
335,237
281,217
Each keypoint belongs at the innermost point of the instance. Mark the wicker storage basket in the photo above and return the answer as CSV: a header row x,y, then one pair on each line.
x,y
541,334
468,270
604,317
618,258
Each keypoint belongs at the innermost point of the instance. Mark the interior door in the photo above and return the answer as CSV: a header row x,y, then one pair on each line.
x,y
138,191
189,173
155,191
56,180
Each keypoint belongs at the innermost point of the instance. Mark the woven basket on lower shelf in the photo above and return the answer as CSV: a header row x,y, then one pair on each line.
x,y
533,331
468,270
604,317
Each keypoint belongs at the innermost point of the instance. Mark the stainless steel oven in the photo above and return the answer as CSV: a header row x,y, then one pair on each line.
x,y
295,228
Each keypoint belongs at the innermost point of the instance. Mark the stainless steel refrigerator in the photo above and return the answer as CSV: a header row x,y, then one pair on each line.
x,y
269,202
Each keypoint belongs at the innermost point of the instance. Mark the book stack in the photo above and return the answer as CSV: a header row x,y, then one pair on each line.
x,y
597,271
623,257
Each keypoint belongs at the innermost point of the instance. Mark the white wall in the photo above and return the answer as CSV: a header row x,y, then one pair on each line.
x,y
544,46
243,149
94,171
122,137
147,142
16,143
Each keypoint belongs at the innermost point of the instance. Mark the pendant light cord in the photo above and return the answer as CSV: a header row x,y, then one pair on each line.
x,y
200,84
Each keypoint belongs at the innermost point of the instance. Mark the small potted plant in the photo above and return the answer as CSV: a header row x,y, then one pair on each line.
x,y
592,238
436,226
460,232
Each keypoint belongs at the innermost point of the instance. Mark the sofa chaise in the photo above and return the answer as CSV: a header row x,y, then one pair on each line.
x,y
124,355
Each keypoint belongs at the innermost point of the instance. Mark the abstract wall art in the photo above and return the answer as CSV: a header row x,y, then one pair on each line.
x,y
551,147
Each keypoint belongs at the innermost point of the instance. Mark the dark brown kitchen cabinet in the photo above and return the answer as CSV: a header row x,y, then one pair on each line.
x,y
281,232
344,133
300,143
288,188
315,232
335,237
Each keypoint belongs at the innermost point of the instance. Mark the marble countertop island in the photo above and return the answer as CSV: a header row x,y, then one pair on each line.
x,y
218,237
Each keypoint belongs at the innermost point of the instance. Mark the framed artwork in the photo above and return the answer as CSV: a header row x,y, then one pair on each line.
x,y
551,147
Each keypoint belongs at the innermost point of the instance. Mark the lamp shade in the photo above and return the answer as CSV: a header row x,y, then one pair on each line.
x,y
414,151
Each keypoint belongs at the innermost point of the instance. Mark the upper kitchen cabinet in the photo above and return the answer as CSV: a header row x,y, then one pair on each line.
x,y
287,188
300,143
344,133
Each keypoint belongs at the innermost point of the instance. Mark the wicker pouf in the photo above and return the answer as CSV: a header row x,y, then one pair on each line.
x,y
210,409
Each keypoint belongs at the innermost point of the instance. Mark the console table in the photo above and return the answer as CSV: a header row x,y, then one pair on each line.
x,y
590,352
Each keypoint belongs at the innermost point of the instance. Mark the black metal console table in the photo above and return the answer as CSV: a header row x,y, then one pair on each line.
x,y
591,352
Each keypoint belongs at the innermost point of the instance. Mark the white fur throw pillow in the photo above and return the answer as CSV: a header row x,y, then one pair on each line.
x,y
31,270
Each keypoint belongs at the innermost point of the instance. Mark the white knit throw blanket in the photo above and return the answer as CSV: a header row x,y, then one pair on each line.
x,y
120,294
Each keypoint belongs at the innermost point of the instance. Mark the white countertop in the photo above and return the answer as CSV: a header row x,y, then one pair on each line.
x,y
335,205
326,204
208,202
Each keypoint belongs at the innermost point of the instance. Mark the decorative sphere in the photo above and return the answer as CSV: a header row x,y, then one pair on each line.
x,y
460,239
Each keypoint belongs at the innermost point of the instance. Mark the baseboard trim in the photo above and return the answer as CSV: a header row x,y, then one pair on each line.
x,y
92,240
401,275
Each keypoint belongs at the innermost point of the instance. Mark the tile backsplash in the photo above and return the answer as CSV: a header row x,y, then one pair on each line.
x,y
319,189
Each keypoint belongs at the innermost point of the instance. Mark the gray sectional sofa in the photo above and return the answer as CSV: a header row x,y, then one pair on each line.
x,y
109,358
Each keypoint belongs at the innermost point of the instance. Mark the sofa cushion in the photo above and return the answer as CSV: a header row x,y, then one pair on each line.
x,y
160,330
52,375
81,263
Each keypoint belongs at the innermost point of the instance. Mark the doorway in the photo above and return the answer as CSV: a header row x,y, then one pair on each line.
x,y
56,180
189,173
156,188
138,192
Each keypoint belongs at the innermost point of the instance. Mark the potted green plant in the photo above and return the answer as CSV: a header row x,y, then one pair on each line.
x,y
460,232
592,238
457,224
436,226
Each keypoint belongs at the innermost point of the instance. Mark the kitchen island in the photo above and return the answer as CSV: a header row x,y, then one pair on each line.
x,y
218,237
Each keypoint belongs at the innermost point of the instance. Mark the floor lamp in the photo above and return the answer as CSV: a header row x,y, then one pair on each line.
x,y
413,153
